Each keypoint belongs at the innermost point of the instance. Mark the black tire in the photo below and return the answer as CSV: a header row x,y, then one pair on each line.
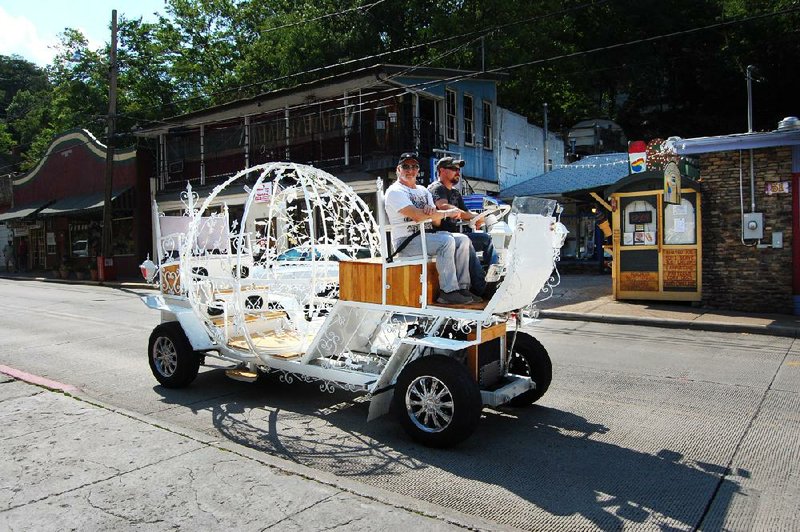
x,y
453,412
172,360
529,359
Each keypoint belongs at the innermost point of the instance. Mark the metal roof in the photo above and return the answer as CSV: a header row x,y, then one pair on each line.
x,y
80,203
23,210
738,141
591,172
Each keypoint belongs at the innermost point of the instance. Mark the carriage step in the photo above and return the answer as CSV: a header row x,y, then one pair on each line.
x,y
242,375
438,342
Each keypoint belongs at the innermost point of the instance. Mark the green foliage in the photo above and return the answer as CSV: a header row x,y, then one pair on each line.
x,y
6,140
586,59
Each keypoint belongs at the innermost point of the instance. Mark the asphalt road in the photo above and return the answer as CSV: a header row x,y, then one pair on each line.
x,y
643,428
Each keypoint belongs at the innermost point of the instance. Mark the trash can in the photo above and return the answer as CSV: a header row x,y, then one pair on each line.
x,y
106,269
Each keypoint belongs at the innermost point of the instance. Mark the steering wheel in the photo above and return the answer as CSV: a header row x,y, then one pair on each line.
x,y
503,209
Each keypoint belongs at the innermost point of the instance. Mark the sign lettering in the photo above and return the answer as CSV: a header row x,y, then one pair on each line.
x,y
680,268
638,281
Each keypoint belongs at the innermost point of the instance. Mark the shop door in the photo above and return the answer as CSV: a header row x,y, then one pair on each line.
x,y
657,247
37,247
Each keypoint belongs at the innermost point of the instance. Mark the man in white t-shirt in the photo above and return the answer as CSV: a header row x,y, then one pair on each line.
x,y
405,201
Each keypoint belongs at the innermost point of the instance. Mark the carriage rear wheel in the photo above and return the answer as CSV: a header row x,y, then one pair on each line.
x,y
529,358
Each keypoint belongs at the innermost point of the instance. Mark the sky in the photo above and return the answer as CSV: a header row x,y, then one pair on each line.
x,y
30,28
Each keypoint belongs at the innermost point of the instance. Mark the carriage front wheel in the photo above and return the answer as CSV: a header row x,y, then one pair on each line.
x,y
436,401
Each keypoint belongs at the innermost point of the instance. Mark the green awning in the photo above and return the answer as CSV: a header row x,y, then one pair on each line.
x,y
23,211
81,203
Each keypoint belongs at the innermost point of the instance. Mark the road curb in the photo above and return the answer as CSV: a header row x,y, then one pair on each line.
x,y
380,495
110,284
710,326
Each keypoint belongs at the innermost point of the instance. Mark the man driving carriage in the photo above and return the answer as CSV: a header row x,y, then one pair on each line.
x,y
447,196
405,201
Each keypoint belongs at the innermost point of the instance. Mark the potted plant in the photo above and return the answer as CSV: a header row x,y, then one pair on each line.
x,y
65,269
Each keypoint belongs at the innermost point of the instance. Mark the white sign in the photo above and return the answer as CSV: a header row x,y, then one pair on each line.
x,y
263,192
780,187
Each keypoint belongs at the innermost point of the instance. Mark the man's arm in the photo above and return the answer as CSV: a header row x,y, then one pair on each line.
x,y
420,215
442,204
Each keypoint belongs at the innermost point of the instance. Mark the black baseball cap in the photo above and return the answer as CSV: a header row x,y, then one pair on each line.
x,y
449,162
407,155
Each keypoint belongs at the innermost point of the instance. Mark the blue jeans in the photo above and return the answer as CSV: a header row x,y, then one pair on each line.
x,y
452,252
477,271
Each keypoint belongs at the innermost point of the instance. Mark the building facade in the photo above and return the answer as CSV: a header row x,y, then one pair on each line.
x,y
352,125
751,242
57,208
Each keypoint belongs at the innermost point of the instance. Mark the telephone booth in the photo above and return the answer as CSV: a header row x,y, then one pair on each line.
x,y
657,246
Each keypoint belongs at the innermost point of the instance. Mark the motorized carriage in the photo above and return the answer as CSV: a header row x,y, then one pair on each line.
x,y
374,329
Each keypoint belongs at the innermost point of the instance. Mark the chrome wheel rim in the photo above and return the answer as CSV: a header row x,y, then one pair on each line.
x,y
429,404
165,356
518,365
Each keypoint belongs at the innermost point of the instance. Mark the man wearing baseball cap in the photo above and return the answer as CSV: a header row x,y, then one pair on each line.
x,y
405,201
446,196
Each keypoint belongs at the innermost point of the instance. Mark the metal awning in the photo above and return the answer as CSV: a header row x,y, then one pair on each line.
x,y
24,210
81,203
738,141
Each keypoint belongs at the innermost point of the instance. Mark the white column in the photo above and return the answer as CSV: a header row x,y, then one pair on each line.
x,y
247,141
202,154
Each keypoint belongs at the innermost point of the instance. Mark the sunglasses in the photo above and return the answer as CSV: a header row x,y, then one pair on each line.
x,y
409,166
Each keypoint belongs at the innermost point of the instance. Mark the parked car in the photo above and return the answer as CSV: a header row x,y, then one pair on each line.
x,y
320,264
80,248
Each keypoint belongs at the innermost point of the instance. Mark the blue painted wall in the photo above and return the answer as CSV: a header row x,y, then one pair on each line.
x,y
481,163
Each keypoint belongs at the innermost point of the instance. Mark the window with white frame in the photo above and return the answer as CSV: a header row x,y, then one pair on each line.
x,y
487,125
469,121
451,132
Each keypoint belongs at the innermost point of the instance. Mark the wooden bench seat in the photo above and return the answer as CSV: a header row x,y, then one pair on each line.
x,y
361,280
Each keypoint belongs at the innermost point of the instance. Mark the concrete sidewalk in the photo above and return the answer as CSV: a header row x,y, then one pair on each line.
x,y
587,297
74,464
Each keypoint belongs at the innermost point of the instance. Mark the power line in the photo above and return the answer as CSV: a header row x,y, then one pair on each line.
x,y
424,84
321,17
546,60
478,33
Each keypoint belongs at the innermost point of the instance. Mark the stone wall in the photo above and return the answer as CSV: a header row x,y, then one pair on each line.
x,y
737,277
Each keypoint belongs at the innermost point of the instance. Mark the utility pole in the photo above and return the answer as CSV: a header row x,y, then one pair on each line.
x,y
749,77
108,253
546,150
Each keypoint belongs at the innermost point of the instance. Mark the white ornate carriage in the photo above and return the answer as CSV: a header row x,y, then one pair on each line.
x,y
299,284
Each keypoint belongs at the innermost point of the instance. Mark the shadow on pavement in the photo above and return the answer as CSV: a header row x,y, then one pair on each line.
x,y
550,458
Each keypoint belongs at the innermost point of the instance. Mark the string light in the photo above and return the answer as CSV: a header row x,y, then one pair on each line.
x,y
594,165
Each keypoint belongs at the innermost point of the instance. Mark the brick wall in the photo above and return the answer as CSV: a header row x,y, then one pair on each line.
x,y
736,277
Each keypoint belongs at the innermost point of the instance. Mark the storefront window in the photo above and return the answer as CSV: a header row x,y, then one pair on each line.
x,y
679,222
79,239
639,221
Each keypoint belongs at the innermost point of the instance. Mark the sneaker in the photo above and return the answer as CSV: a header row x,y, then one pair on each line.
x,y
475,298
453,298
